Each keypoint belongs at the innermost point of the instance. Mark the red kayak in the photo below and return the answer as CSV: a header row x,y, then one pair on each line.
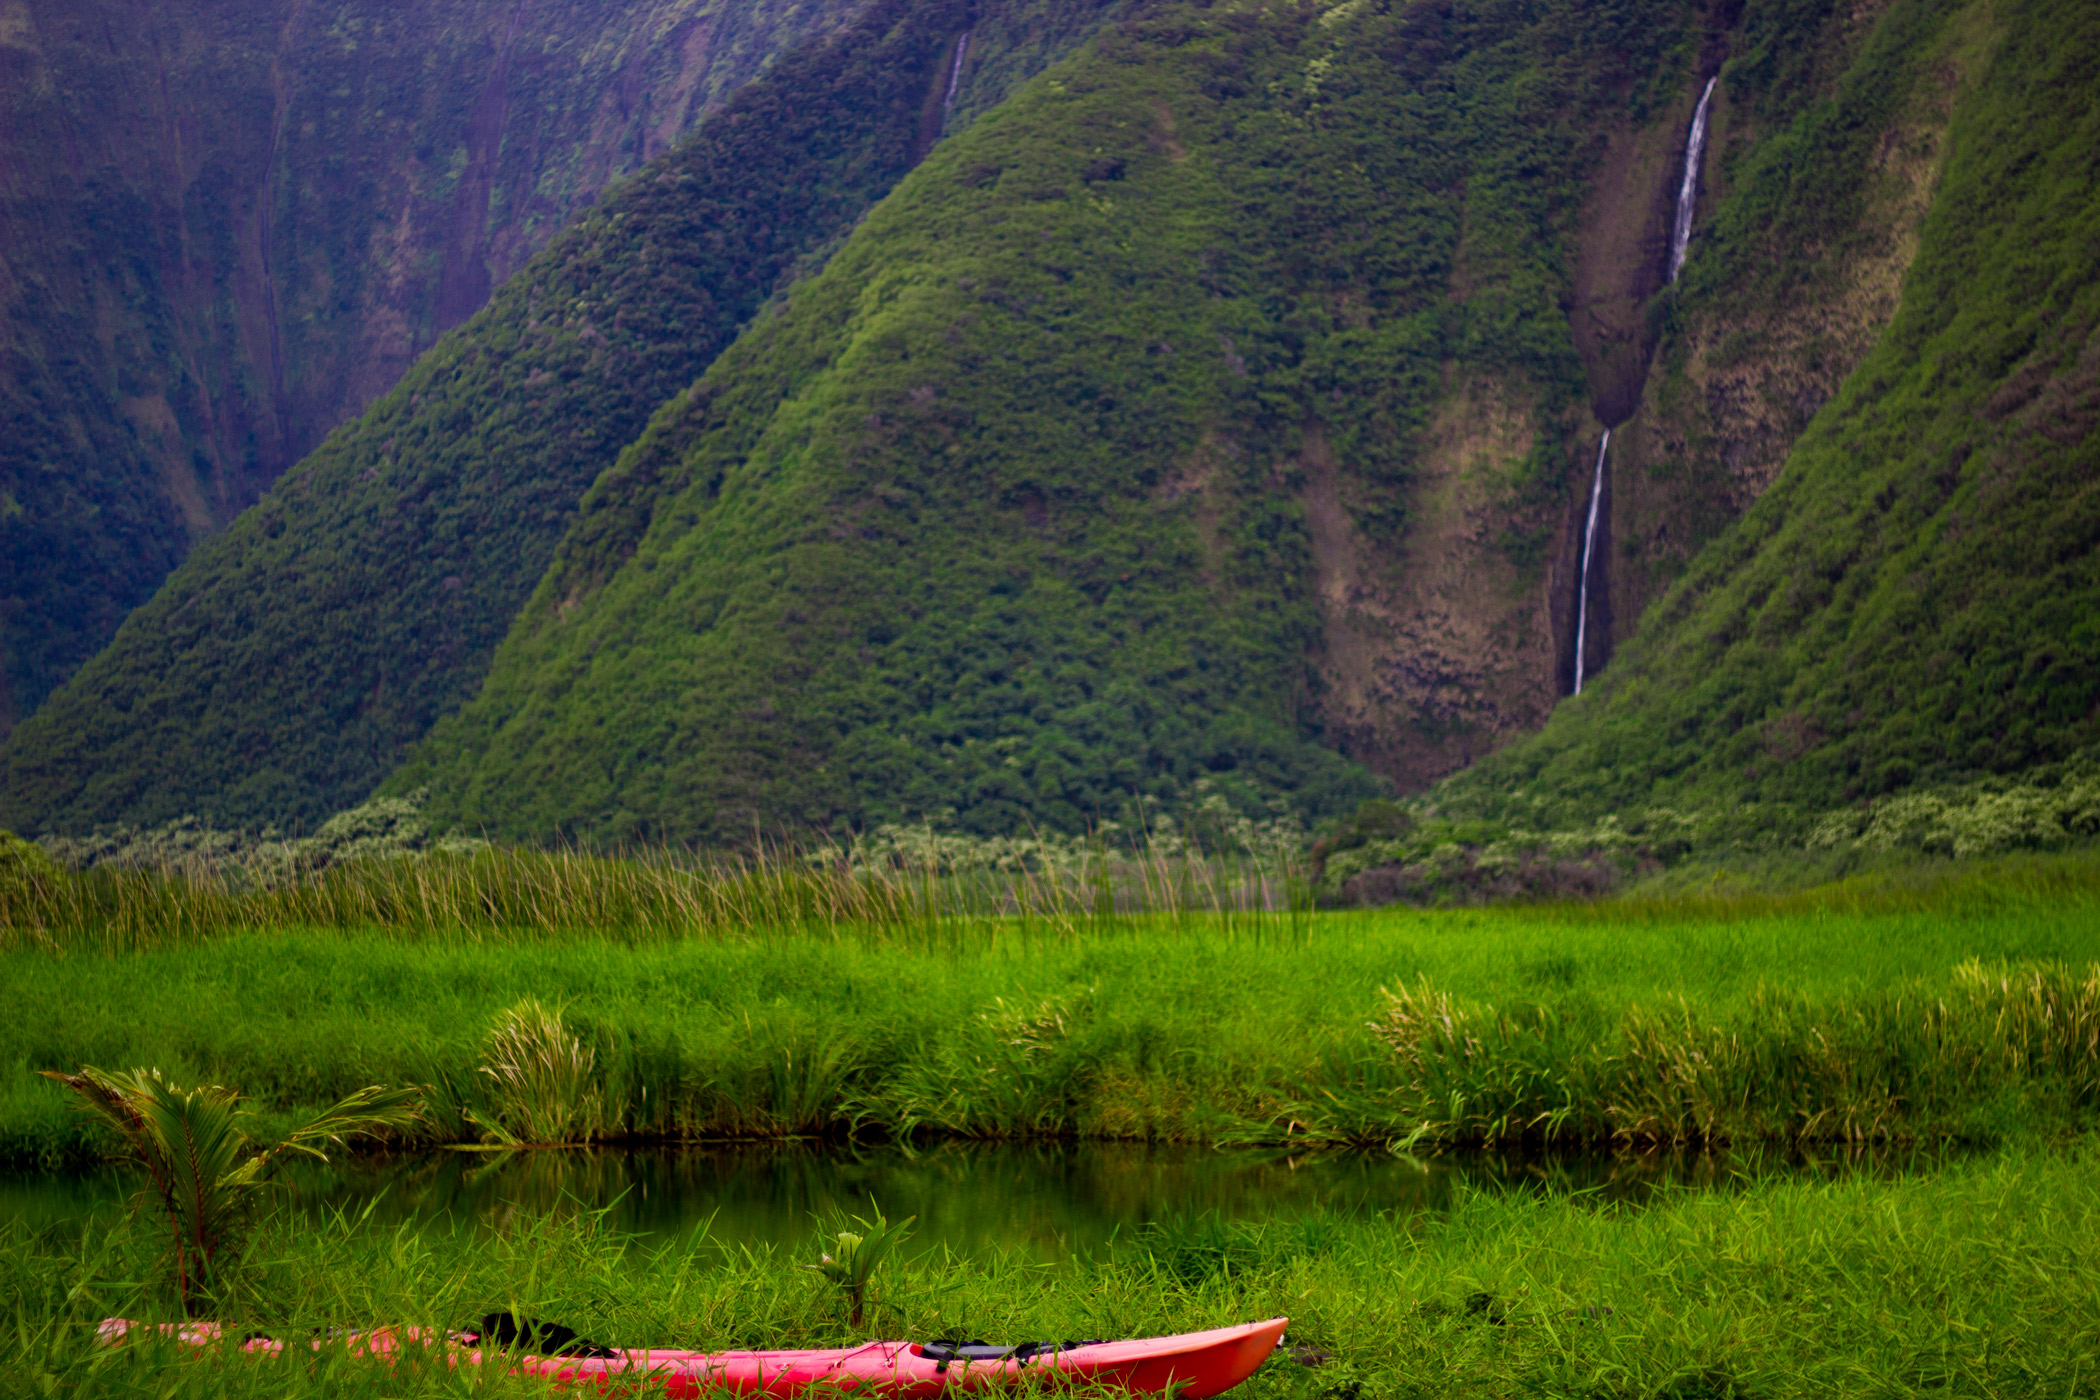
x,y
1196,1364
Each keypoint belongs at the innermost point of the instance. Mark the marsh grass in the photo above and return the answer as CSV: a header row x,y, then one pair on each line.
x,y
1987,1052
1871,1067
1840,1014
1978,1278
543,1086
912,894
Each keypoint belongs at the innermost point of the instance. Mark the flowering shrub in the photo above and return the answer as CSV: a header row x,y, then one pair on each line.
x,y
1978,819
383,828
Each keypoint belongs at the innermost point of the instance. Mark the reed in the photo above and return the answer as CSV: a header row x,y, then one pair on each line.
x,y
543,1086
1931,1057
1927,1016
916,895
1977,1278
1165,1040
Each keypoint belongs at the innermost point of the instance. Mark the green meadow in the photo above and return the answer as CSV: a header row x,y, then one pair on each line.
x,y
1978,1279
558,1001
1960,1003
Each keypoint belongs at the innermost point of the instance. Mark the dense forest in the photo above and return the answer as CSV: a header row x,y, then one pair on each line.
x,y
1006,513
1212,414
1915,602
227,227
282,671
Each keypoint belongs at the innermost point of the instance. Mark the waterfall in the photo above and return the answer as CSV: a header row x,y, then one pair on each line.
x,y
962,42
1589,545
1688,191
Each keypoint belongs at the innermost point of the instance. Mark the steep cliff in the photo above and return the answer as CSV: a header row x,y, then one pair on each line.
x,y
1138,395
1217,415
1911,601
227,228
288,664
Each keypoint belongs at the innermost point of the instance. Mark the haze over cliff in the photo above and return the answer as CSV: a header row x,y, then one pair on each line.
x,y
226,228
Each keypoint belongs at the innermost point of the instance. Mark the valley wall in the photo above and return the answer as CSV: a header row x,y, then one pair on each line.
x,y
227,228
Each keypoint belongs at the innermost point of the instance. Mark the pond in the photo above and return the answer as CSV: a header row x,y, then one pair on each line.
x,y
1045,1201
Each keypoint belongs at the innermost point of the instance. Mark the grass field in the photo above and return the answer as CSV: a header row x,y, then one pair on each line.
x,y
1959,1003
1979,1279
1949,1003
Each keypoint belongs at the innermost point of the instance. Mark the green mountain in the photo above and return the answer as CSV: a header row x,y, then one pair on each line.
x,y
1217,415
1024,506
1914,599
227,227
283,670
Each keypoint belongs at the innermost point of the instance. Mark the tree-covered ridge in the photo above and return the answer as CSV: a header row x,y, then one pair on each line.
x,y
1003,514
289,663
227,226
1916,600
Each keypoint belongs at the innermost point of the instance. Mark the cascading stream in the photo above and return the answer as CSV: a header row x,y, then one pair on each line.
x,y
962,43
1589,545
1688,189
1680,241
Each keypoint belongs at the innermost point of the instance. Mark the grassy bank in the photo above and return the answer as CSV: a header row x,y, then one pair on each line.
x,y
1964,1007
1978,1279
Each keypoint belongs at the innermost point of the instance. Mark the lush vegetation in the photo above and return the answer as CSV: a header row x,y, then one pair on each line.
x,y
205,1174
289,663
1976,1279
1912,605
1004,520
1001,516
231,226
779,1002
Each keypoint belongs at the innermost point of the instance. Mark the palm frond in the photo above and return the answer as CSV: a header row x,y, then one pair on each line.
x,y
372,1109
203,1166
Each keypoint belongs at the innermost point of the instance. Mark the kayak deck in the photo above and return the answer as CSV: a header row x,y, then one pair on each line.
x,y
1195,1365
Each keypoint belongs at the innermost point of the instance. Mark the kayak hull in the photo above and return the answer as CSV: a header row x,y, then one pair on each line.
x,y
1193,1365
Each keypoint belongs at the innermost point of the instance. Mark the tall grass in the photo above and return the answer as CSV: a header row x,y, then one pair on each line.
x,y
934,893
1979,1279
1051,888
1714,1019
542,1081
1936,1055
723,1042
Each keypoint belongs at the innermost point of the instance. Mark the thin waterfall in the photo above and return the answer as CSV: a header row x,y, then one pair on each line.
x,y
962,42
1688,191
1589,545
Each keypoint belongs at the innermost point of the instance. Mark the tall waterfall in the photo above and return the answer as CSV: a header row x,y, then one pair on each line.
x,y
1688,191
955,71
1589,547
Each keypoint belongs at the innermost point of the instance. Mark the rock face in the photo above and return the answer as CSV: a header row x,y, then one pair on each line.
x,y
1898,386
285,666
226,226
1219,413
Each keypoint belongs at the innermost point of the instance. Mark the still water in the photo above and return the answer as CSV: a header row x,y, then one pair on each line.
x,y
1048,1202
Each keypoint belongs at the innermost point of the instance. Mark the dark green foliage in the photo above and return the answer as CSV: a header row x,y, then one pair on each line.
x,y
1379,819
229,225
1917,599
290,662
1000,515
27,876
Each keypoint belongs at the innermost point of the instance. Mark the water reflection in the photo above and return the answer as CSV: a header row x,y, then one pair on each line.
x,y
1048,1201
